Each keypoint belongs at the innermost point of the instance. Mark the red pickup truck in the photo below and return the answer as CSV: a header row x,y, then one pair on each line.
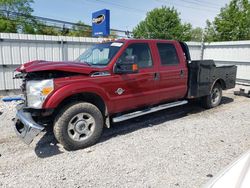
x,y
111,82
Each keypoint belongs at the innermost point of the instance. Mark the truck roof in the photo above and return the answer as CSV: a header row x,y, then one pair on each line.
x,y
148,40
137,40
183,44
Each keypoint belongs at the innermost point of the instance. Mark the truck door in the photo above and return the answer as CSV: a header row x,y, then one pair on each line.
x,y
130,91
172,71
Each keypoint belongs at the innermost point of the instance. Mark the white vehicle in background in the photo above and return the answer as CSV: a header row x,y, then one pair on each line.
x,y
236,175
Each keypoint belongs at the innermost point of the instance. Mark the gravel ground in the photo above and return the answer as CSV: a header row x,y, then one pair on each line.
x,y
179,147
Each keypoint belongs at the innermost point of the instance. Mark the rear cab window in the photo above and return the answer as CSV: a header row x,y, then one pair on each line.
x,y
168,54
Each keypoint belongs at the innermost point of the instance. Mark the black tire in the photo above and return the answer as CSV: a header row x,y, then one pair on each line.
x,y
214,99
65,121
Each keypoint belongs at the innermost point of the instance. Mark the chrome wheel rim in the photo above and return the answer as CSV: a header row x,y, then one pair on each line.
x,y
81,127
215,96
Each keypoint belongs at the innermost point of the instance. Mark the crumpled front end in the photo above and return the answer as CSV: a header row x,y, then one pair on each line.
x,y
25,127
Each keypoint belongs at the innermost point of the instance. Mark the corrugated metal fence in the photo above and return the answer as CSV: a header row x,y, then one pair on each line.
x,y
231,53
226,53
16,49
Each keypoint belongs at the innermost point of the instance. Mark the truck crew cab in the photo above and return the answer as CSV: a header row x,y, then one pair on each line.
x,y
113,81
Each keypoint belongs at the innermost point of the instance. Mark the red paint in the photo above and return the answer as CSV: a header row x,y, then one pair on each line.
x,y
69,66
140,89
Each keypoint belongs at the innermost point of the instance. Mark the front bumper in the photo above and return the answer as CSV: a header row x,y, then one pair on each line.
x,y
26,128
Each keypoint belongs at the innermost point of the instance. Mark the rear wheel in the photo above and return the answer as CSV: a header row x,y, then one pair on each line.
x,y
78,126
214,98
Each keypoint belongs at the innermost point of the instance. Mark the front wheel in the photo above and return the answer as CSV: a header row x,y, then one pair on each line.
x,y
214,98
78,126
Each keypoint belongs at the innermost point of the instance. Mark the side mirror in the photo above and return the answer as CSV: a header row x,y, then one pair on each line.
x,y
127,65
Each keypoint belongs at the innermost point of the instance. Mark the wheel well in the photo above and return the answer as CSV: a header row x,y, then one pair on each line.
x,y
221,82
84,97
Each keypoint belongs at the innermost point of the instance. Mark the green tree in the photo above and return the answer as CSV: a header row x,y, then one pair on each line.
x,y
196,34
163,23
8,26
43,29
15,16
80,30
232,23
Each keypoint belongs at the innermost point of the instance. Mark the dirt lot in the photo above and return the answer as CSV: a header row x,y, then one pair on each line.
x,y
180,147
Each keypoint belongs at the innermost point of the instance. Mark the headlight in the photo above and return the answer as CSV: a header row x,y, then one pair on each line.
x,y
37,92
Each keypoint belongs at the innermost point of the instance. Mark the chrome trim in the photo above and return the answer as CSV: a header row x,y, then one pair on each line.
x,y
147,111
25,127
98,74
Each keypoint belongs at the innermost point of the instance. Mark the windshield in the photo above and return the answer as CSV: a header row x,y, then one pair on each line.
x,y
100,54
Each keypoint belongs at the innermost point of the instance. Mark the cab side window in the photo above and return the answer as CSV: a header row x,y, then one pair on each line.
x,y
142,52
168,54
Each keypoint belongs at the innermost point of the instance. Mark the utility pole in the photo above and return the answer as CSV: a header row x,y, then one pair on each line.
x,y
202,44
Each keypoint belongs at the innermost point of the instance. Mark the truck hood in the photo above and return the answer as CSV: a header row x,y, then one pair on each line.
x,y
69,66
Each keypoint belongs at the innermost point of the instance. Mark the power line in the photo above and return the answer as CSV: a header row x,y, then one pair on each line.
x,y
205,2
185,6
199,3
144,11
209,9
118,5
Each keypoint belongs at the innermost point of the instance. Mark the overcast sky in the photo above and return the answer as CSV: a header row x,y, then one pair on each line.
x,y
127,14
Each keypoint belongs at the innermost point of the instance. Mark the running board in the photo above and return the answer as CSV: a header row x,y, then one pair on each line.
x,y
148,111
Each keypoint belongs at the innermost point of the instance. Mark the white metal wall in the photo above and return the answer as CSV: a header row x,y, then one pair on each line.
x,y
225,53
16,49
195,50
231,53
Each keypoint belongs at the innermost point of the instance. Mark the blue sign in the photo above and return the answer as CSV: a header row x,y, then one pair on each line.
x,y
101,23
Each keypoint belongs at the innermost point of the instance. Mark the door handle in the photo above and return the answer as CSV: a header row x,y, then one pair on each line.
x,y
182,73
156,76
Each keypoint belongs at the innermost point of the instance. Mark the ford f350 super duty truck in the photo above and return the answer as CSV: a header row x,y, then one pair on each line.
x,y
112,82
